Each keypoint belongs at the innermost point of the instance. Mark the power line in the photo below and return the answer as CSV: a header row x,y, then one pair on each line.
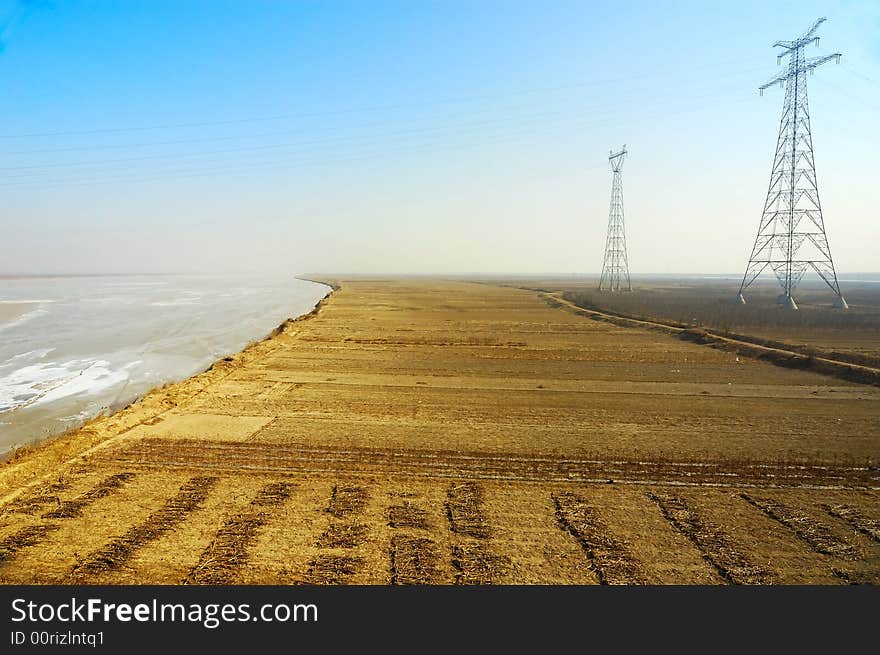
x,y
326,113
791,235
615,267
528,131
454,129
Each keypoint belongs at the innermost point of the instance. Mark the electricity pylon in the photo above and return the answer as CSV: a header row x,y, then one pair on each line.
x,y
791,236
615,269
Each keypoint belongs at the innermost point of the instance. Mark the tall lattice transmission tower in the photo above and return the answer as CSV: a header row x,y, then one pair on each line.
x,y
791,236
615,269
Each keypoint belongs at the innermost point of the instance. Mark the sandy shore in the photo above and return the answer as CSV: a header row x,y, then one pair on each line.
x,y
419,431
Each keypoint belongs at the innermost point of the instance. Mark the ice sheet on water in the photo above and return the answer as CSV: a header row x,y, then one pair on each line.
x,y
44,383
24,318
177,302
104,341
38,353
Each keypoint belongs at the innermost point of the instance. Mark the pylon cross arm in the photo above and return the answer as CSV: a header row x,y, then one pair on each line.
x,y
785,241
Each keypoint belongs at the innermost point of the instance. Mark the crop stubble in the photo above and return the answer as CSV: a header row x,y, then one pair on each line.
x,y
485,382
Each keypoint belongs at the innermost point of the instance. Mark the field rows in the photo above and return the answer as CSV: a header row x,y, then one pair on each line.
x,y
293,457
397,530
425,432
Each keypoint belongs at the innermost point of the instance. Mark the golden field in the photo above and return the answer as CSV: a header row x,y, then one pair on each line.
x,y
427,431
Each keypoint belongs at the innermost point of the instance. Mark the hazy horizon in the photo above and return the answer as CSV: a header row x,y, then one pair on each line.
x,y
393,138
764,278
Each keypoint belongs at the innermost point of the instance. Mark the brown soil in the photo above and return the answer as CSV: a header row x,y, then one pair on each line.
x,y
73,508
407,516
229,550
119,551
332,569
422,432
816,534
856,519
414,560
716,547
610,558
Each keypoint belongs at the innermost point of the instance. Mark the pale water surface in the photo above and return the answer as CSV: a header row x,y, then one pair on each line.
x,y
87,345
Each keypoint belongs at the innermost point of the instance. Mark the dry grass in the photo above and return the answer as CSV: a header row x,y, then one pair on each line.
x,y
476,565
844,365
407,515
855,577
609,556
347,500
817,535
475,464
343,535
730,562
27,536
37,498
816,329
74,508
463,509
228,551
330,569
442,416
414,561
115,554
867,526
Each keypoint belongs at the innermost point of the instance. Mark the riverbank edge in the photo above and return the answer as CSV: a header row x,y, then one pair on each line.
x,y
29,464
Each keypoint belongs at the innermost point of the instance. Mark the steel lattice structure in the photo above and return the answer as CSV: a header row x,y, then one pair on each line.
x,y
615,269
791,236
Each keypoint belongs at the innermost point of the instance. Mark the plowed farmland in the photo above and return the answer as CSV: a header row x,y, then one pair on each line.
x,y
431,432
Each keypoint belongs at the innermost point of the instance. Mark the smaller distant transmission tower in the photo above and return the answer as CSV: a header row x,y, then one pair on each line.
x,y
791,236
615,269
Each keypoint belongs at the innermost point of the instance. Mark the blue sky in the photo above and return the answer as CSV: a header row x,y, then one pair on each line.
x,y
416,136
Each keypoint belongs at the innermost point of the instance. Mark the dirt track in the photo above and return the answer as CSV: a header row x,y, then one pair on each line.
x,y
781,355
440,432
